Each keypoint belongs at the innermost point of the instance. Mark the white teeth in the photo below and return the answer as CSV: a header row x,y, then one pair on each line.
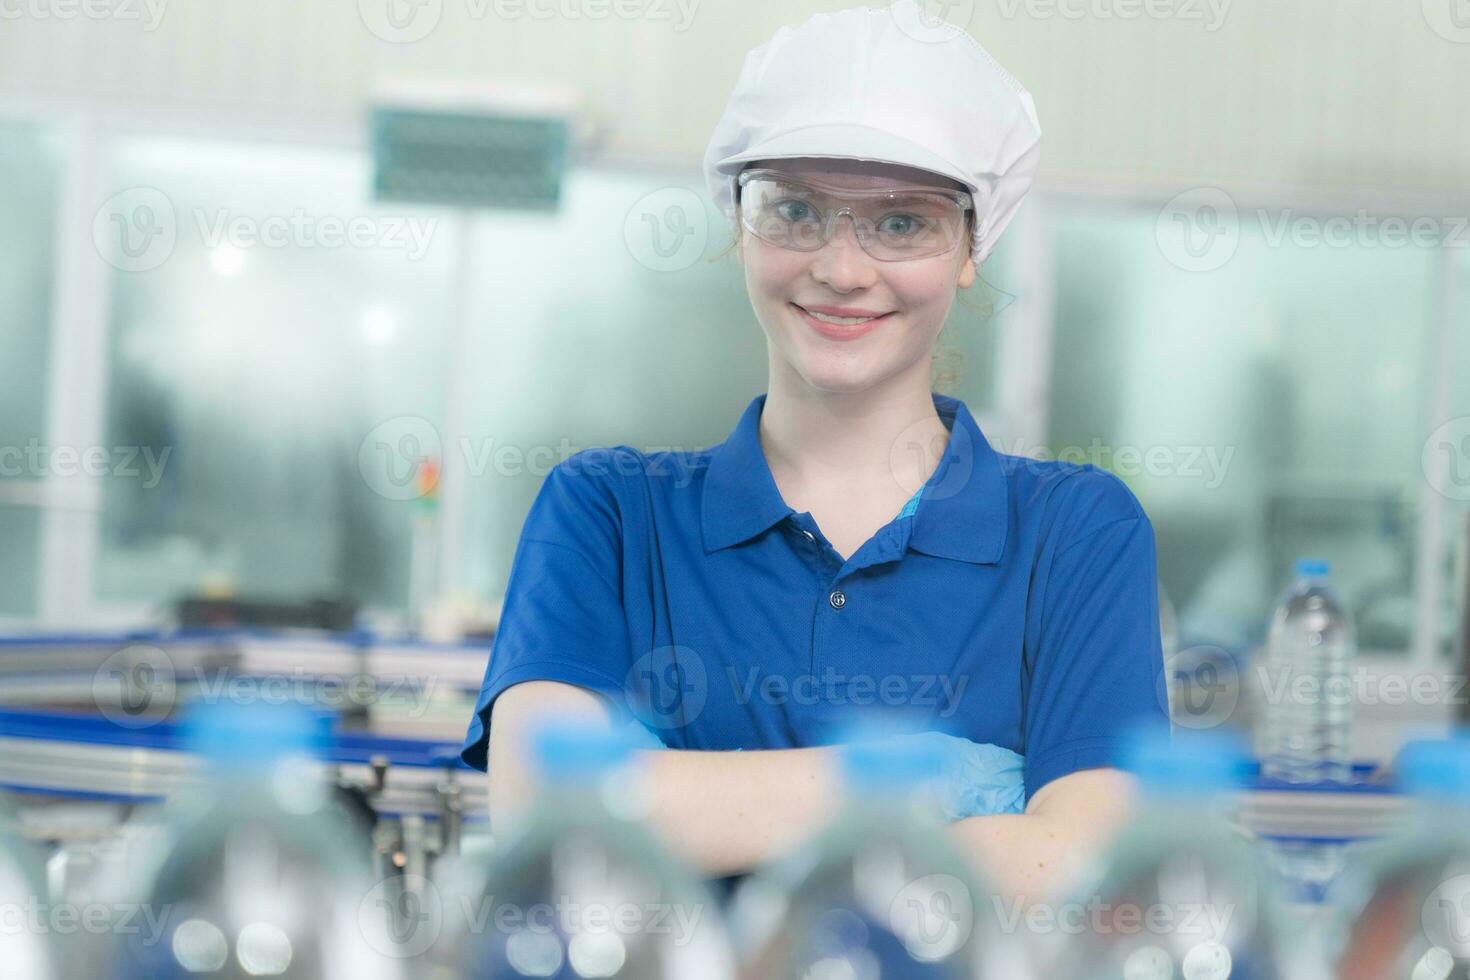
x,y
845,321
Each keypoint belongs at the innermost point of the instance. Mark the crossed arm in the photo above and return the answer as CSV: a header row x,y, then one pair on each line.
x,y
726,812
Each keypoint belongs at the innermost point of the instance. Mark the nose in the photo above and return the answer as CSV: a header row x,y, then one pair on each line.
x,y
841,263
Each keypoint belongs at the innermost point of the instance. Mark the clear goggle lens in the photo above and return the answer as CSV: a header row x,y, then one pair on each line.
x,y
893,224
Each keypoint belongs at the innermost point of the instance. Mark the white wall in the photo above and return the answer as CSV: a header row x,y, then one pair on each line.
x,y
1278,94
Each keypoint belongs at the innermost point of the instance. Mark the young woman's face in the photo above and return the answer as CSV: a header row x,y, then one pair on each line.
x,y
841,278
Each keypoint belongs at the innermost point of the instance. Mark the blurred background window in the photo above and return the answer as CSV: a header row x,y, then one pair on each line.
x,y
1268,408
1447,463
250,355
30,177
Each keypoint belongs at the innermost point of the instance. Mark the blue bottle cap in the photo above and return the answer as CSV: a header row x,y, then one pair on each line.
x,y
572,750
1185,763
256,735
1312,567
1436,767
874,762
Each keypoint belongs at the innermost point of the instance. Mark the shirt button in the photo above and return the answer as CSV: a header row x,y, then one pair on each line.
x,y
809,535
837,599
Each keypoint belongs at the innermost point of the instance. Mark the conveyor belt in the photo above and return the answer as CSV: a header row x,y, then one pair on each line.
x,y
62,735
50,744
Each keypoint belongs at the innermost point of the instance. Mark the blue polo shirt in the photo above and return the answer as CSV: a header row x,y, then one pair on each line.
x,y
1011,601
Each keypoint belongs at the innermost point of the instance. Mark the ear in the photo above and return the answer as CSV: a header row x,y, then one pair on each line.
x,y
967,273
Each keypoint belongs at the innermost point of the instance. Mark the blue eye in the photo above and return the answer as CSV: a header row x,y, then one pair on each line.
x,y
794,210
901,224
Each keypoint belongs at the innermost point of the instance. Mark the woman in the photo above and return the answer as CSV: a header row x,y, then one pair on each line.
x,y
855,541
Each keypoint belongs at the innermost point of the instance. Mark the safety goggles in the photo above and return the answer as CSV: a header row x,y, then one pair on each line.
x,y
893,224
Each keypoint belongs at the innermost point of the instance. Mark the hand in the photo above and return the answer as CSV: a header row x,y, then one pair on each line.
x,y
974,779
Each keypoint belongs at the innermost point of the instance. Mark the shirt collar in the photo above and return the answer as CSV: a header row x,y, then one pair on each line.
x,y
963,510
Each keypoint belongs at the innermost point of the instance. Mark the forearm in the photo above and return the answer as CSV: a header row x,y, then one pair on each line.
x,y
1037,855
726,812
1024,855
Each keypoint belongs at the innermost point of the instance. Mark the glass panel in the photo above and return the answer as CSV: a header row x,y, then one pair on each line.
x,y
1261,410
622,320
1447,469
30,179
267,317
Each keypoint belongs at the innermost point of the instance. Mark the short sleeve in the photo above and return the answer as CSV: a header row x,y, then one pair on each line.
x,y
1094,663
563,617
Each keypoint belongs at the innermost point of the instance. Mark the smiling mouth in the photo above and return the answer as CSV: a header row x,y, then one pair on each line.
x,y
840,321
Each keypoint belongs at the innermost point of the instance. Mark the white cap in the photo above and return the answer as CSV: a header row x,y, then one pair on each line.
x,y
888,84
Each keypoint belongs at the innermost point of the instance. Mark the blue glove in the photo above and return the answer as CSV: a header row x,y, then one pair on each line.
x,y
641,738
974,779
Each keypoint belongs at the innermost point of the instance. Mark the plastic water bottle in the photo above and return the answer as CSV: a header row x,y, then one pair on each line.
x,y
880,892
26,949
579,888
1402,909
252,875
1178,894
1305,733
